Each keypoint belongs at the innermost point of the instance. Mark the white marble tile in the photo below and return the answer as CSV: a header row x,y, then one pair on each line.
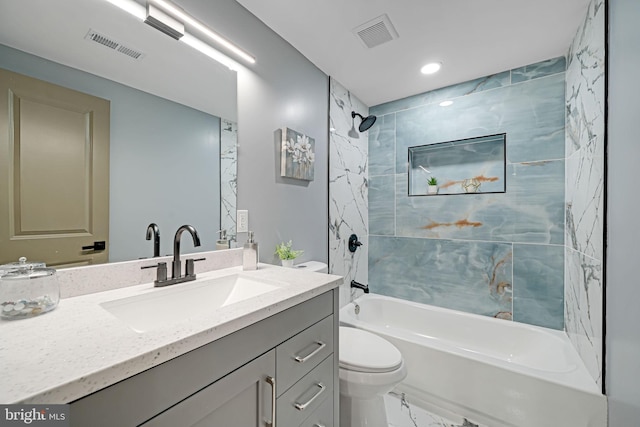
x,y
584,309
584,189
402,413
348,189
228,176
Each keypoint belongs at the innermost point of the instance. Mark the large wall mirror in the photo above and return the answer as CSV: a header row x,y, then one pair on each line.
x,y
173,119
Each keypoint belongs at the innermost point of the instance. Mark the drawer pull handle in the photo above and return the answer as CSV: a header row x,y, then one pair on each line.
x,y
320,344
318,425
303,406
272,382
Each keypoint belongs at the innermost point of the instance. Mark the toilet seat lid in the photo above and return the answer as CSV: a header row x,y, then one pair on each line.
x,y
363,351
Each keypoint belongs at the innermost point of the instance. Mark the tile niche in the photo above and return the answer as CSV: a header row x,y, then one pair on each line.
x,y
471,165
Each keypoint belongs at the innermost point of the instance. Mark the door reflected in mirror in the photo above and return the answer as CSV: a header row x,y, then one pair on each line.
x,y
173,132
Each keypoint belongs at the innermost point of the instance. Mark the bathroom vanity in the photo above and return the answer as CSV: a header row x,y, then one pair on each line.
x,y
264,360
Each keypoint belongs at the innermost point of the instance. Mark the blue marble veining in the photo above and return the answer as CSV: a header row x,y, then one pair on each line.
x,y
530,113
540,69
472,277
381,206
531,211
537,190
585,187
441,249
382,143
505,78
538,287
466,88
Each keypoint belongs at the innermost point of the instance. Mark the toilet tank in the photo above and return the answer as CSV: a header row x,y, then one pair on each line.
x,y
317,266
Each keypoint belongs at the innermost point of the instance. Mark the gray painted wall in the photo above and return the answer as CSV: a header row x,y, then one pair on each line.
x,y
164,160
622,372
282,89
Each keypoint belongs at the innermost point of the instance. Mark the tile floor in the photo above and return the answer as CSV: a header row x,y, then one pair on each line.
x,y
401,413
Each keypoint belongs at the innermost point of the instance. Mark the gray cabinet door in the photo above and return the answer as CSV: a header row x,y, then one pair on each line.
x,y
242,398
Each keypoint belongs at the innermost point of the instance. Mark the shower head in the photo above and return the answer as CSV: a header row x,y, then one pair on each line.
x,y
366,122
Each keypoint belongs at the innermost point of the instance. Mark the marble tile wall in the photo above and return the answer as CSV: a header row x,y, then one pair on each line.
x,y
228,176
493,254
348,189
584,189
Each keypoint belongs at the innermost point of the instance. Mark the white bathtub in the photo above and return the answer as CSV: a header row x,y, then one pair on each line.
x,y
494,372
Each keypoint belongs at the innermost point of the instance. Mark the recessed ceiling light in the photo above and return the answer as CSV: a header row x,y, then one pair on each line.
x,y
431,68
446,103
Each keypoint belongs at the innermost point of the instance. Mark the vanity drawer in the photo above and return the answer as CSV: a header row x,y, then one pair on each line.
x,y
305,396
303,352
321,417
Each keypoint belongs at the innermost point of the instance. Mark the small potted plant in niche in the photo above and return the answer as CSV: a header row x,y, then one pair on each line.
x,y
432,185
286,254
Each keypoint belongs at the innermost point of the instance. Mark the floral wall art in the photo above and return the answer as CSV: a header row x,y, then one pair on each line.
x,y
297,157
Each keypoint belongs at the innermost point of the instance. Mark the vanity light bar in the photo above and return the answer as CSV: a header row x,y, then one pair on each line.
x,y
188,19
139,11
163,22
131,7
212,53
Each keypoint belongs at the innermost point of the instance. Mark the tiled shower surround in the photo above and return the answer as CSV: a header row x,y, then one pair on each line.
x,y
348,152
500,254
533,254
584,194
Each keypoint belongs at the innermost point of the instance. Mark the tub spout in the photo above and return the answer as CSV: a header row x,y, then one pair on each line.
x,y
358,285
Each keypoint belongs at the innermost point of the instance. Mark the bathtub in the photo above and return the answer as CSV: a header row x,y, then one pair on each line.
x,y
493,372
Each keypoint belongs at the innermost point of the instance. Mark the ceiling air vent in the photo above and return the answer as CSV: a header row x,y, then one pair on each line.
x,y
376,32
113,44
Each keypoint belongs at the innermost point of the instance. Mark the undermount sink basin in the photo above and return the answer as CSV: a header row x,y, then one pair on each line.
x,y
182,301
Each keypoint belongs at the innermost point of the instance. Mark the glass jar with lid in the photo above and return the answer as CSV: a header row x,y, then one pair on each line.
x,y
27,289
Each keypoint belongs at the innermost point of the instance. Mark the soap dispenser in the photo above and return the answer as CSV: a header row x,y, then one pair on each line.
x,y
222,242
250,254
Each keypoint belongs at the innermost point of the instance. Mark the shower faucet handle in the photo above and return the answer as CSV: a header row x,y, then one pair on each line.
x,y
354,243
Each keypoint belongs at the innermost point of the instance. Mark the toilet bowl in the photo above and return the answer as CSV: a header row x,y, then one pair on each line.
x,y
370,367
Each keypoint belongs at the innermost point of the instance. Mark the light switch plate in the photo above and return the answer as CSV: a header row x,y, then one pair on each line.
x,y
242,219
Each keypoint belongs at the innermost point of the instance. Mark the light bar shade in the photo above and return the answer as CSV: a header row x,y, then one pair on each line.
x,y
176,25
212,53
163,22
189,20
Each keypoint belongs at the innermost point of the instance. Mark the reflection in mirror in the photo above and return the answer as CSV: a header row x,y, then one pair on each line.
x,y
170,113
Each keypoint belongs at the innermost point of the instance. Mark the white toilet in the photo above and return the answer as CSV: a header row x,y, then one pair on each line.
x,y
370,367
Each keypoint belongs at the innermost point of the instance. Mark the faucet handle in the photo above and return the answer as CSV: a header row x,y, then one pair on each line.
x,y
190,266
162,271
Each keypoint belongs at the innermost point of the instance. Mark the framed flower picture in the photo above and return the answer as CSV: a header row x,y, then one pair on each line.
x,y
297,155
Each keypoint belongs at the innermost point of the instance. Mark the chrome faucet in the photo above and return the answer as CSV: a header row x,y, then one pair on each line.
x,y
153,230
175,270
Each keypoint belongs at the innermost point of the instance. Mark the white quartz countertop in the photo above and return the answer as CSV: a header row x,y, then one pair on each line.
x,y
80,347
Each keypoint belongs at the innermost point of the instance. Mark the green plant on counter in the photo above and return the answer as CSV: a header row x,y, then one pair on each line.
x,y
284,251
432,181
